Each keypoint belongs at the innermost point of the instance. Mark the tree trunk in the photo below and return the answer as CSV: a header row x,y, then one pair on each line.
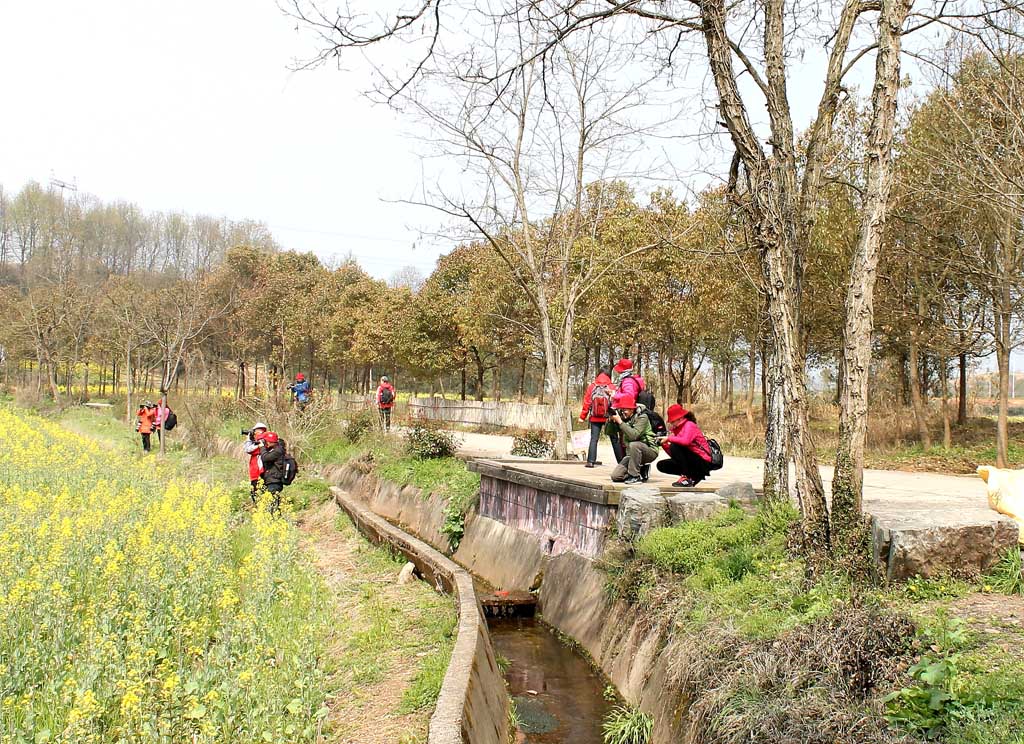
x,y
751,381
1003,344
848,480
776,451
916,400
961,402
521,387
947,434
128,385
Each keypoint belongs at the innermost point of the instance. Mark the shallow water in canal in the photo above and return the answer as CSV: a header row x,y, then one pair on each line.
x,y
559,697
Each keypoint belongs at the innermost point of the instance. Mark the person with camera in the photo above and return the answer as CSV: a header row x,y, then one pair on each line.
x,y
300,390
272,465
252,448
385,402
638,437
146,423
687,447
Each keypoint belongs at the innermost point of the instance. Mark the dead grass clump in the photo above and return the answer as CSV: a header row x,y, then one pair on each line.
x,y
815,684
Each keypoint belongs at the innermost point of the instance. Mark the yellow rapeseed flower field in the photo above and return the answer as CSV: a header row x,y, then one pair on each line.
x,y
136,607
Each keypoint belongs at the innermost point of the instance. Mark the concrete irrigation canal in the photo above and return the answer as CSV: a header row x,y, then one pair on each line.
x,y
534,543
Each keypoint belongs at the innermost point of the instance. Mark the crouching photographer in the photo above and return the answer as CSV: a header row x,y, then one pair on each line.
x,y
638,437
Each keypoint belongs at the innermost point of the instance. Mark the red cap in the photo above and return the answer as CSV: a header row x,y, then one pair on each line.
x,y
626,401
675,412
300,376
270,437
623,365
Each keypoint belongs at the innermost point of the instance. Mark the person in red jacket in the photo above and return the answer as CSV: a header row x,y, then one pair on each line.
x,y
252,448
629,383
597,408
385,402
687,448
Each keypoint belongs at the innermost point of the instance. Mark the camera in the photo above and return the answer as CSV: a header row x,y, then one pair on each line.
x,y
246,432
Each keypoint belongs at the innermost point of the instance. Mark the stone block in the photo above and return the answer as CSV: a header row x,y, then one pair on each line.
x,y
641,509
904,550
686,507
739,491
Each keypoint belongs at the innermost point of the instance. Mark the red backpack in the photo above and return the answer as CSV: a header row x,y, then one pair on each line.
x,y
600,402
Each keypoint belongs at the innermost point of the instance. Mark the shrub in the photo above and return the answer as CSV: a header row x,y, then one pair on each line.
x,y
428,441
625,725
360,424
686,548
533,443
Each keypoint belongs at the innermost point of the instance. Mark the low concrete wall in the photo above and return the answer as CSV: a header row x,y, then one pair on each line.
x,y
487,413
473,705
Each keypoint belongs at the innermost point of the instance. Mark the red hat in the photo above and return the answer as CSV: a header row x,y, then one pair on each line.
x,y
675,412
300,376
626,401
270,437
623,365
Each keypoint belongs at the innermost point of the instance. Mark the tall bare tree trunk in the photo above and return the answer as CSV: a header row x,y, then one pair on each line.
x,y
848,481
751,381
776,451
1003,363
947,434
961,401
916,399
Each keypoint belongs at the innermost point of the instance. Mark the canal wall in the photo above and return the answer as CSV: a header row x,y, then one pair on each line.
x,y
472,707
621,639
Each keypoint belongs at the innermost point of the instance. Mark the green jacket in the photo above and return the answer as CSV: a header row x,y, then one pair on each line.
x,y
637,429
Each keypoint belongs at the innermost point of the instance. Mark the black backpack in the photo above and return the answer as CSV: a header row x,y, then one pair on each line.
x,y
291,469
171,421
717,458
387,395
657,423
646,398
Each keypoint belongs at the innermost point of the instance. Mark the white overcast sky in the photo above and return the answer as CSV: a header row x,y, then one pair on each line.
x,y
192,106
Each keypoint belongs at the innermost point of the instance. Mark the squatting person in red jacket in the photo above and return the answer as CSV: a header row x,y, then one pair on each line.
x,y
252,448
597,408
687,448
385,402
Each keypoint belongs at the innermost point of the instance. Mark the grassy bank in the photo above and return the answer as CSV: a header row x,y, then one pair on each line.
x,y
773,657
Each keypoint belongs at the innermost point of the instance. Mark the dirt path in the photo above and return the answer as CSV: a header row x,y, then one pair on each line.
x,y
384,633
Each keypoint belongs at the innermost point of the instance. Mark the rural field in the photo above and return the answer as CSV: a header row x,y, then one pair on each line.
x,y
139,604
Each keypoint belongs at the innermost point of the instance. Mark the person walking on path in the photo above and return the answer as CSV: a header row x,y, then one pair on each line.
x,y
145,423
597,407
252,448
385,402
272,468
687,447
638,437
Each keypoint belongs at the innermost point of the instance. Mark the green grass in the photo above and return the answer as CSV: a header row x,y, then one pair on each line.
x,y
1008,575
625,725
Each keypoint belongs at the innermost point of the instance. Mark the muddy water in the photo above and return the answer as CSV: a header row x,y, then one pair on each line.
x,y
559,697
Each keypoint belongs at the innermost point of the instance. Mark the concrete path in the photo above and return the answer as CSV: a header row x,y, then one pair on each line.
x,y
911,499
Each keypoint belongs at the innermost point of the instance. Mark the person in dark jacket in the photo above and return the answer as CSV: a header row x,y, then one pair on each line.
x,y
639,439
687,447
597,409
272,466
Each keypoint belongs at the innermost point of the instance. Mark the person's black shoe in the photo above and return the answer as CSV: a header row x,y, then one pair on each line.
x,y
645,473
684,482
632,479
589,465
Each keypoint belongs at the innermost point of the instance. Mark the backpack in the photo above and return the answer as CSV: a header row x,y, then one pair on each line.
x,y
171,421
387,395
291,469
657,423
717,458
600,402
646,398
